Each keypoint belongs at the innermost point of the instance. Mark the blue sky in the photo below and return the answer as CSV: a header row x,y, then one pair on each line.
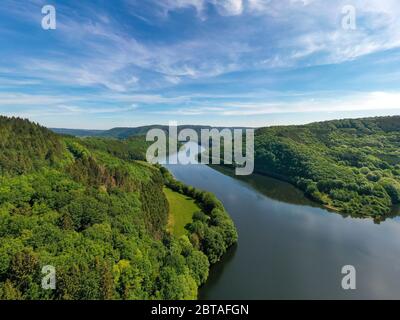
x,y
217,62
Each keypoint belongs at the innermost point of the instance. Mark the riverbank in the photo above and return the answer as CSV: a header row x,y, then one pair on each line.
x,y
211,231
229,170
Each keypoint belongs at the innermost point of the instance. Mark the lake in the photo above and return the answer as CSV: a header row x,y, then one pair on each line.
x,y
289,248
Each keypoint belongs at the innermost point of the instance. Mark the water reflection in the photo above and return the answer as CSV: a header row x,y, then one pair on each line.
x,y
290,249
272,188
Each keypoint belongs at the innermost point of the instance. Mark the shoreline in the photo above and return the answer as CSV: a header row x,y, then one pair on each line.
x,y
329,208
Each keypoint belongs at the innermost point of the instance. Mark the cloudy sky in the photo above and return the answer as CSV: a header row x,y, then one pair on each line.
x,y
217,62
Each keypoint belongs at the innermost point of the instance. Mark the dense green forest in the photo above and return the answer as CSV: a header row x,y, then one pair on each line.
x,y
94,210
352,166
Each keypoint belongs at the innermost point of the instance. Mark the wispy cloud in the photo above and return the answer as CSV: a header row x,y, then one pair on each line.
x,y
112,56
198,57
348,102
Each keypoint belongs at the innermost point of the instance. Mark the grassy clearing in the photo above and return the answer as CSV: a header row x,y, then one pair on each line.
x,y
181,210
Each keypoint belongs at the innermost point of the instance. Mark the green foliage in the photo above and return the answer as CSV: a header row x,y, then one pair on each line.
x,y
133,148
392,187
88,208
212,230
348,165
26,146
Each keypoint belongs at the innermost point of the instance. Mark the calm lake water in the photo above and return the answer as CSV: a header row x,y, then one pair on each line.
x,y
289,248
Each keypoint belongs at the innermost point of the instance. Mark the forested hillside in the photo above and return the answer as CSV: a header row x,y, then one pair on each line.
x,y
352,166
94,211
124,133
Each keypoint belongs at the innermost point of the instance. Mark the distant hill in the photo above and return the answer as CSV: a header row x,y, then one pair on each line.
x,y
78,132
126,132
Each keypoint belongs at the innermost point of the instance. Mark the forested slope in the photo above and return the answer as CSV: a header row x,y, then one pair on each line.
x,y
352,166
89,209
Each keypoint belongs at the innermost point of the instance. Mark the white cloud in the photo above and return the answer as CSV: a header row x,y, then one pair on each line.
x,y
355,102
197,4
341,103
84,103
20,99
229,7
266,34
292,31
69,109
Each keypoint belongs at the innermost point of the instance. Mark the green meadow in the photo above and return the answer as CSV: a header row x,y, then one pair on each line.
x,y
181,210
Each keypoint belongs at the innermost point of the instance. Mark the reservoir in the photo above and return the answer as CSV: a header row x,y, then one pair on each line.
x,y
290,248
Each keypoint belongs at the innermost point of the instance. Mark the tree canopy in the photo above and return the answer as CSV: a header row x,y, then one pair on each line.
x,y
352,166
89,208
